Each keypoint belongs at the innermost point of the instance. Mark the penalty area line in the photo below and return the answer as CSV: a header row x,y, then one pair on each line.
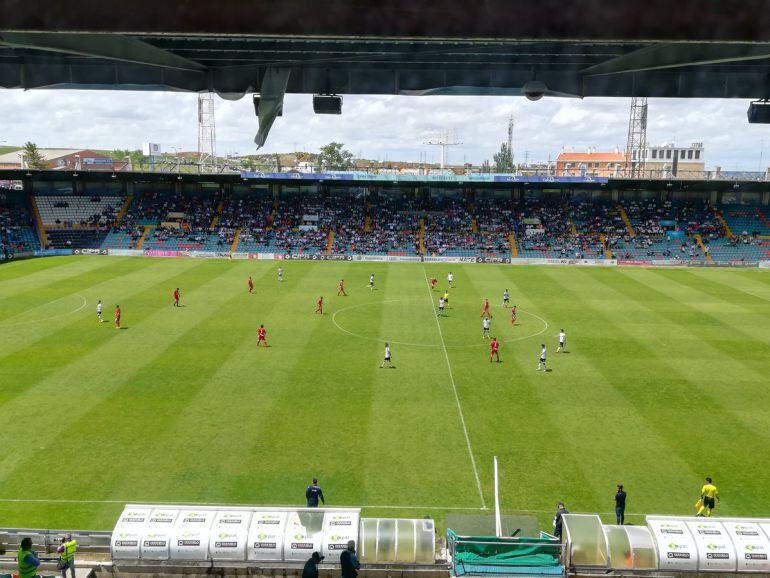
x,y
454,390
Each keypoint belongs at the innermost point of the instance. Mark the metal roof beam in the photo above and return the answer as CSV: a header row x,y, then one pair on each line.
x,y
108,46
677,55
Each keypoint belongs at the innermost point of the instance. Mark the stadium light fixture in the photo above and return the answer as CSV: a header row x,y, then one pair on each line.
x,y
759,111
327,104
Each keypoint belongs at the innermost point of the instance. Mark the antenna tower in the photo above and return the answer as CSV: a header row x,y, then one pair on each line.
x,y
207,134
637,138
446,139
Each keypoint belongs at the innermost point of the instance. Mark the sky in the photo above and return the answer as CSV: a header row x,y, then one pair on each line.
x,y
384,127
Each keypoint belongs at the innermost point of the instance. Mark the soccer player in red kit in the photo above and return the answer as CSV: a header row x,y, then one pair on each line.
x,y
493,351
117,317
513,315
319,306
251,285
485,311
261,332
341,289
176,297
433,282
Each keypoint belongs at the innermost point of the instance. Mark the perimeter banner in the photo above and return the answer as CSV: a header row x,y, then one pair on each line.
x,y
161,253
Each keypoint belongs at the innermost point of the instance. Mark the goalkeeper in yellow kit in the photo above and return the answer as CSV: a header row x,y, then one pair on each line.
x,y
708,493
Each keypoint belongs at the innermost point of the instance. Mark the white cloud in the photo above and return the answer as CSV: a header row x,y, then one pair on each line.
x,y
394,127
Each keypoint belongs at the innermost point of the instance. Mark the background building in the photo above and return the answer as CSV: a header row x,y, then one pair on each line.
x,y
668,160
593,164
64,159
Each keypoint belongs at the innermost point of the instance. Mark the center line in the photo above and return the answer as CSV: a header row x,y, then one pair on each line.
x,y
454,390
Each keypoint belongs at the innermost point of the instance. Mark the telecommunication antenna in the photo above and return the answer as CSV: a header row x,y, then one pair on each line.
x,y
637,138
207,134
446,139
510,138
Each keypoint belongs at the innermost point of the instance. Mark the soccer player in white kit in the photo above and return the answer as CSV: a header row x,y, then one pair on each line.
x,y
280,273
99,311
441,304
387,357
371,282
506,299
485,328
562,341
542,358
450,279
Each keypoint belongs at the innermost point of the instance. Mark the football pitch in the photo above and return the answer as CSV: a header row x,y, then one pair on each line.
x,y
666,380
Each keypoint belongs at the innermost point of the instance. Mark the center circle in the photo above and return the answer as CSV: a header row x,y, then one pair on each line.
x,y
416,319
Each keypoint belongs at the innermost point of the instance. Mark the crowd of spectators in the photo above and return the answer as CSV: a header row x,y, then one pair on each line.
x,y
14,219
363,223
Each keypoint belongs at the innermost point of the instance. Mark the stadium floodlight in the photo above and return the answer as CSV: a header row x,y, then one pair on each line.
x,y
759,112
327,104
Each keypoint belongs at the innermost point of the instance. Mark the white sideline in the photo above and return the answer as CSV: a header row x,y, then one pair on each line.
x,y
454,390
65,501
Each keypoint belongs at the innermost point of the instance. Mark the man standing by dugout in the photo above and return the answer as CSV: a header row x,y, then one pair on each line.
x,y
313,494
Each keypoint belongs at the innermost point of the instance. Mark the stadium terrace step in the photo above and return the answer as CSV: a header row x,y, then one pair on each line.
x,y
626,220
726,227
514,248
699,241
38,222
123,209
607,252
236,239
147,230
421,237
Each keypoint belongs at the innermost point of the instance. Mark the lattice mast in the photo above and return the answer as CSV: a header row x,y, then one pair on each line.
x,y
637,138
207,133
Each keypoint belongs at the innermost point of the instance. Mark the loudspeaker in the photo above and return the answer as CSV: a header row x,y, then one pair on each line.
x,y
327,104
759,112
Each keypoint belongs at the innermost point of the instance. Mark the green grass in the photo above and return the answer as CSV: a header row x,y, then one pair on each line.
x,y
666,382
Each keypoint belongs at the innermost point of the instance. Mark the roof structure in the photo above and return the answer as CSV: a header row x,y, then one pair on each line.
x,y
655,48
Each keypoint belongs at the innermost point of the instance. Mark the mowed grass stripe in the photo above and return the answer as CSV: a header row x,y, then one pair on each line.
x,y
206,433
715,297
37,415
38,296
415,427
745,281
661,378
151,401
23,273
37,355
720,331
280,447
21,336
522,406
586,388
50,282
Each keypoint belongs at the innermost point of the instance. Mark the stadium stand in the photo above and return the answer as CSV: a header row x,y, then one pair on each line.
x,y
351,222
17,232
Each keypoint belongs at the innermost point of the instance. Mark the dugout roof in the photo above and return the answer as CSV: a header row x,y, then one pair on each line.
x,y
655,48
